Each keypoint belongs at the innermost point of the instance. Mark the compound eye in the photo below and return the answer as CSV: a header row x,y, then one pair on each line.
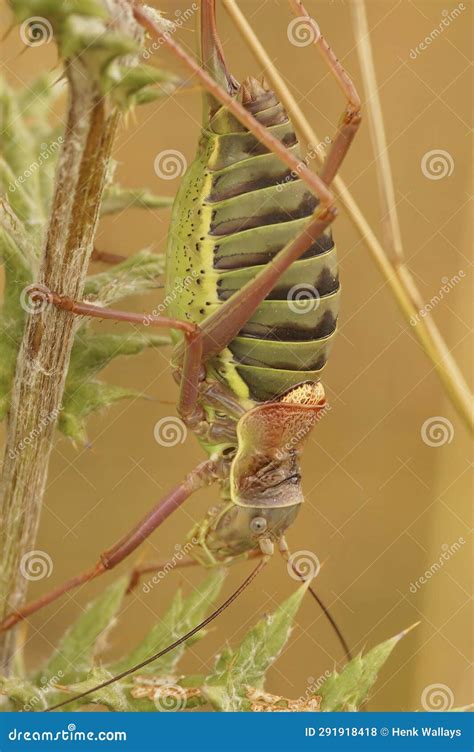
x,y
258,525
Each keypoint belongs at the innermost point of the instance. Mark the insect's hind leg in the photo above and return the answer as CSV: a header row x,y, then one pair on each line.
x,y
351,117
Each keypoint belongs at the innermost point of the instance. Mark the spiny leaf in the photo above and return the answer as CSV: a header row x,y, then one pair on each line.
x,y
29,148
131,277
91,37
237,670
36,99
129,82
92,352
74,654
16,142
349,689
12,316
114,696
23,695
183,615
85,399
25,9
20,201
105,38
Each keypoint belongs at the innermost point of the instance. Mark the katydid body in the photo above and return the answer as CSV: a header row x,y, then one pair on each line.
x,y
249,352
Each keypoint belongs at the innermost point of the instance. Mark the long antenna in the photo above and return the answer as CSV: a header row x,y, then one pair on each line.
x,y
327,614
174,644
333,624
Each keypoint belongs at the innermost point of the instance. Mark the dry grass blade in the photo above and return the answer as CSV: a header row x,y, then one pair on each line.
x,y
433,343
395,273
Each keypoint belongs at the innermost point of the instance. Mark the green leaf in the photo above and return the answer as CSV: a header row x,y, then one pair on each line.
x,y
12,316
129,83
349,689
117,199
93,352
246,667
23,695
133,276
87,398
17,145
182,616
114,696
25,9
74,655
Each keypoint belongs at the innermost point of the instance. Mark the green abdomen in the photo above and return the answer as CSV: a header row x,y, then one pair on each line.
x,y
237,206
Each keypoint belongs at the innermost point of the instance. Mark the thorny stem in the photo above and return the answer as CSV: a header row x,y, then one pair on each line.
x,y
394,270
47,341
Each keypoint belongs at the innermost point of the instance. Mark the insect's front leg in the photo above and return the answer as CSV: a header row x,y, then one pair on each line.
x,y
227,409
204,474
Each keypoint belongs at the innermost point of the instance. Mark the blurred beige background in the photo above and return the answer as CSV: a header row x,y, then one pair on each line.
x,y
381,503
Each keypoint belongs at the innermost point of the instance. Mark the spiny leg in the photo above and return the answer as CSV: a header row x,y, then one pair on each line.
x,y
351,117
203,474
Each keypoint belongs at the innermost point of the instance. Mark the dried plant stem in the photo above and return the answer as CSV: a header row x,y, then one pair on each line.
x,y
436,348
45,350
393,269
